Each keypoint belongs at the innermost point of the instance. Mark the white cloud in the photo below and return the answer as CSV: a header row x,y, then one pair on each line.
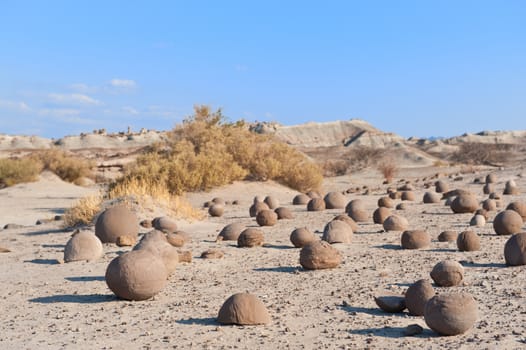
x,y
123,83
59,112
130,110
83,88
81,99
15,106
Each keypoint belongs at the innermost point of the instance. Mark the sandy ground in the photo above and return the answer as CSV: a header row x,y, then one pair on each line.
x,y
47,305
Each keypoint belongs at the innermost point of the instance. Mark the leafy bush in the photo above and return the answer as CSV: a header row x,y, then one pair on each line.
x,y
67,167
205,151
14,171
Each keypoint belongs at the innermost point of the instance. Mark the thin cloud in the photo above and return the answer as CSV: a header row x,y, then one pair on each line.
x,y
130,110
14,106
123,83
77,99
59,112
83,88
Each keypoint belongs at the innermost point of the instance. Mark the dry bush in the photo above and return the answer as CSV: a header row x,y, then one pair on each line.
x,y
83,211
482,153
205,152
335,167
14,171
67,167
388,169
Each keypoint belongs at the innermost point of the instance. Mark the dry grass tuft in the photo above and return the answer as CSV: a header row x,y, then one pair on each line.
x,y
14,171
482,153
388,169
205,152
83,211
67,167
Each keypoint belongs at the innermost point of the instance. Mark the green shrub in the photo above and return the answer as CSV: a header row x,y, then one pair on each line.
x,y
14,171
205,151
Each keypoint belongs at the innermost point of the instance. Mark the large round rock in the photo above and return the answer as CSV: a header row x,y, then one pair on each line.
x,y
319,255
337,231
395,223
515,249
451,313
417,296
468,241
301,236
231,231
136,275
115,222
267,218
447,273
83,245
316,204
519,207
164,224
243,309
507,222
415,239
250,237
464,203
334,200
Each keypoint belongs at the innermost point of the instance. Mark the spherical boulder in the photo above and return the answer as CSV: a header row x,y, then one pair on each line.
x,y
380,214
507,222
451,313
243,309
478,220
231,231
431,197
417,295
408,196
510,188
415,239
157,243
136,275
441,186
489,204
164,224
386,202
216,210
334,200
178,238
395,223
250,237
447,273
272,202
115,222
488,188
284,213
212,253
219,200
519,207
267,218
491,178
319,255
515,250
301,236
468,241
337,231
401,206
257,207
447,236
464,204
83,245
316,204
482,212
348,220
300,199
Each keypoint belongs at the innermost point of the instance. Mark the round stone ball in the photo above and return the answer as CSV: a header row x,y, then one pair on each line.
x,y
115,222
212,253
408,196
316,204
386,202
401,206
441,186
231,231
136,275
178,238
491,178
334,200
489,204
243,309
478,220
216,210
314,194
83,245
464,204
482,212
468,241
515,250
250,237
395,223
447,273
337,231
359,215
488,188
417,295
319,255
354,205
272,202
218,200
284,213
395,195
510,188
164,224
348,220
256,208
451,313
157,243
519,207
267,218
415,239
507,222
300,199
301,236
431,197
447,236
380,214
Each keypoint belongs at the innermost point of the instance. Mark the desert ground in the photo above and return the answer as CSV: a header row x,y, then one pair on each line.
x,y
48,304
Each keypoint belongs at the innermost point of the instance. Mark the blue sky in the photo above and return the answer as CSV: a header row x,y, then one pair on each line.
x,y
416,68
